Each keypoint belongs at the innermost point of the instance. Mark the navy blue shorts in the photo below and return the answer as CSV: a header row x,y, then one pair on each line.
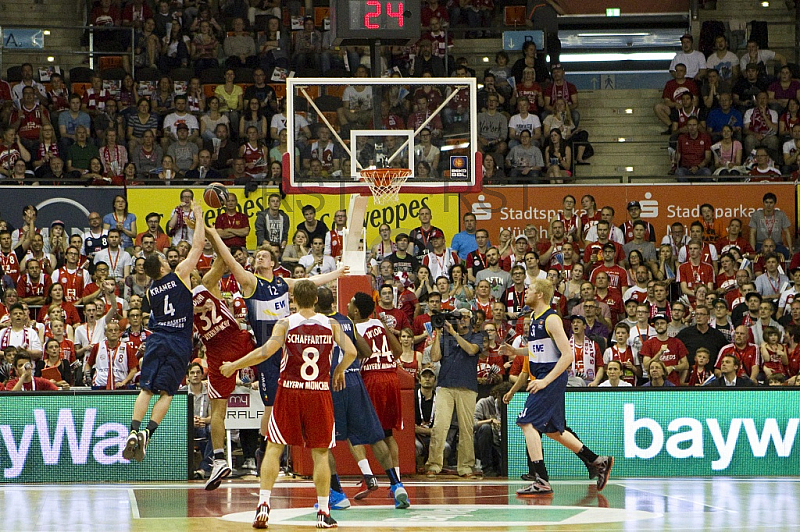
x,y
544,410
354,414
268,373
164,363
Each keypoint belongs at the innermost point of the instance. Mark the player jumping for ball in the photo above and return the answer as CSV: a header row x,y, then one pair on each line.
x,y
224,341
302,413
169,348
267,298
547,359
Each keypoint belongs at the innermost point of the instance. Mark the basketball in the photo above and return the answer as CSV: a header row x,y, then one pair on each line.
x,y
215,195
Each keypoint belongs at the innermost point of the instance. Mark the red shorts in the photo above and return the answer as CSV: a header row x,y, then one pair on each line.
x,y
384,390
232,348
302,417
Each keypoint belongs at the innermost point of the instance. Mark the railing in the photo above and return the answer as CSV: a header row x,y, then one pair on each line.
x,y
36,39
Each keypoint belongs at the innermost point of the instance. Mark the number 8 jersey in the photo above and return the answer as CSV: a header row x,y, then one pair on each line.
x,y
306,362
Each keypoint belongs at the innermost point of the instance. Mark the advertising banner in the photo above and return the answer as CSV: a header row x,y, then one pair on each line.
x,y
673,433
515,207
401,217
79,436
245,409
71,205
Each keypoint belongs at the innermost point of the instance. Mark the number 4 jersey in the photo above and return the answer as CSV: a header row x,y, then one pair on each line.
x,y
306,362
170,307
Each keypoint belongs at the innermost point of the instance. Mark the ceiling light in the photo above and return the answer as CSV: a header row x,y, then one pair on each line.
x,y
605,58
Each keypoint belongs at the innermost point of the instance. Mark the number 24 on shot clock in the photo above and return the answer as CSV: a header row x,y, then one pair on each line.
x,y
363,21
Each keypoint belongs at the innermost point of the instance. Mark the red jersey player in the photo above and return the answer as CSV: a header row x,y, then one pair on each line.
x,y
303,410
379,370
224,341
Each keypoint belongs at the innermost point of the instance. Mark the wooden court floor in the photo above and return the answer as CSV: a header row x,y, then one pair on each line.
x,y
437,505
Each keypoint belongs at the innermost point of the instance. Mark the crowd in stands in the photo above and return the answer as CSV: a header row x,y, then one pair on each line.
x,y
208,94
732,116
640,308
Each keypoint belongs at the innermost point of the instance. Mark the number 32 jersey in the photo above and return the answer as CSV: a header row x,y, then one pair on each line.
x,y
217,327
306,362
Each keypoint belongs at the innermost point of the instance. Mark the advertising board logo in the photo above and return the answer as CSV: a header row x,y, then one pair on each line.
x,y
689,434
482,209
649,206
459,167
239,400
107,436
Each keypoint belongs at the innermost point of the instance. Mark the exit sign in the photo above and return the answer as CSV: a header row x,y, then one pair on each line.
x,y
612,11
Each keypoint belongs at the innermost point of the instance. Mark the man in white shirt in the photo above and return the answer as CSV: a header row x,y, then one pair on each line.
x,y
317,262
524,120
119,261
694,60
18,335
759,57
615,234
180,116
723,60
93,331
26,73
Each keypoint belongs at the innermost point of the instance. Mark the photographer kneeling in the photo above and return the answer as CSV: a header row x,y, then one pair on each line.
x,y
458,349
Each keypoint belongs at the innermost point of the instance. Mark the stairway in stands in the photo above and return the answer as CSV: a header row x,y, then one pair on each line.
x,y
611,115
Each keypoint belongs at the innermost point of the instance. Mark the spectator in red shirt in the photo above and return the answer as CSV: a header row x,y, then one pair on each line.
x,y
29,119
394,318
232,226
26,382
669,351
693,155
672,94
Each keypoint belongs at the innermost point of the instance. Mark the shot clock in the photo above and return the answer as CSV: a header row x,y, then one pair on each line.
x,y
365,21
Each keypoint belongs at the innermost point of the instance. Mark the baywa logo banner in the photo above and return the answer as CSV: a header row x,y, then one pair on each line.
x,y
62,437
674,433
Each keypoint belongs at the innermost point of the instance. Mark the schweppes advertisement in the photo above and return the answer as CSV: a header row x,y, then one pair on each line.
x,y
402,217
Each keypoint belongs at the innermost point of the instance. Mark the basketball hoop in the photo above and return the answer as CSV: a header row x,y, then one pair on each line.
x,y
385,183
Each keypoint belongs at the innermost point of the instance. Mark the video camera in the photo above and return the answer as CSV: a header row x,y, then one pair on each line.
x,y
438,319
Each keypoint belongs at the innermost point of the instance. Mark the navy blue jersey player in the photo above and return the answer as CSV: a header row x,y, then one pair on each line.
x,y
267,298
168,349
548,356
356,419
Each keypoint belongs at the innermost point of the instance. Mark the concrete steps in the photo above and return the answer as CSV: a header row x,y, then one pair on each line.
x,y
604,116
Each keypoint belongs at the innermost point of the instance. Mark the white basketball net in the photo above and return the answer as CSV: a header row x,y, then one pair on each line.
x,y
385,183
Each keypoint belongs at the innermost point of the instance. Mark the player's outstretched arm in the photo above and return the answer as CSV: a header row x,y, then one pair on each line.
x,y
184,269
212,277
245,279
325,278
260,354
